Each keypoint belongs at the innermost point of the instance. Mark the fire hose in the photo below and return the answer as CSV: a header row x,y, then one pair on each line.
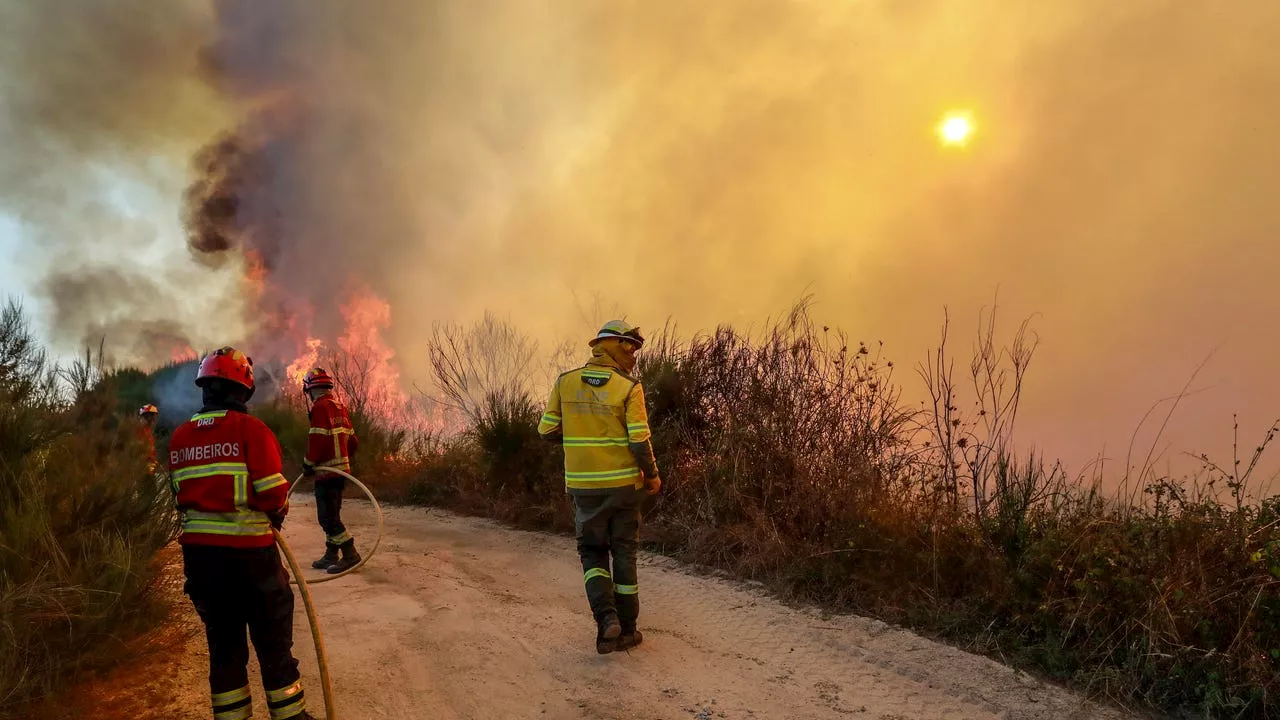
x,y
377,541
326,686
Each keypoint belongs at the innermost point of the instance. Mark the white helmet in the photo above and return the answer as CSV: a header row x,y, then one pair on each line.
x,y
620,329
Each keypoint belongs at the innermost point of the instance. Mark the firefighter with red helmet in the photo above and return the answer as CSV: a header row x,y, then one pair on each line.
x,y
330,444
225,469
147,415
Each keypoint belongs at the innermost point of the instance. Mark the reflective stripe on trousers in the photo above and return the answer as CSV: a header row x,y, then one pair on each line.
x,y
234,705
286,702
608,528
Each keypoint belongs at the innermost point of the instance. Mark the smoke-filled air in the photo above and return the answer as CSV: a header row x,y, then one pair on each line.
x,y
187,174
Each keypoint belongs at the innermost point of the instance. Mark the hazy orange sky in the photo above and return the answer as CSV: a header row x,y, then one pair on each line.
x,y
705,162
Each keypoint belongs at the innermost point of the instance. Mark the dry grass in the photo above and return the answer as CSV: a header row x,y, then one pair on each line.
x,y
139,682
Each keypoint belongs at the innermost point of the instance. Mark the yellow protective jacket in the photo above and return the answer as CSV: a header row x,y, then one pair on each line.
x,y
598,413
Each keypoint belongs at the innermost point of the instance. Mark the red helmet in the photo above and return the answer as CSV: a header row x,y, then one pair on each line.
x,y
148,410
317,378
227,363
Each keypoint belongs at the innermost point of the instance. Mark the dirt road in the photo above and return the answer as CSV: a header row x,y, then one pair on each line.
x,y
461,618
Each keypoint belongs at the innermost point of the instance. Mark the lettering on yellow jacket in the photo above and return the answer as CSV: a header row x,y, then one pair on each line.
x,y
598,413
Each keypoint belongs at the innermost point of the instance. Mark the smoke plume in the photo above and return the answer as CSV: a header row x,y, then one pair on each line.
x,y
100,107
708,162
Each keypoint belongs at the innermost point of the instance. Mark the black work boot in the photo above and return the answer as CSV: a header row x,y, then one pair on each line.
x,y
330,557
629,639
607,632
350,558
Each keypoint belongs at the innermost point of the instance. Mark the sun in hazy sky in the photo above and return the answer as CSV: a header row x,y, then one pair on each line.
x,y
955,128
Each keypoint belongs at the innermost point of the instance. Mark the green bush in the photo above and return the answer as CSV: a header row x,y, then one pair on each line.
x,y
81,521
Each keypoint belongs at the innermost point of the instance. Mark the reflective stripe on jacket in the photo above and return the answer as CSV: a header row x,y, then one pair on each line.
x,y
600,412
225,470
332,439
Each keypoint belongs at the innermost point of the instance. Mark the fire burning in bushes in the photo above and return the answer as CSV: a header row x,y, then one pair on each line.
x,y
363,363
346,336
248,206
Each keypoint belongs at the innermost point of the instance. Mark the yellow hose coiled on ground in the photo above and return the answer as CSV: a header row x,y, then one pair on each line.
x,y
376,541
326,686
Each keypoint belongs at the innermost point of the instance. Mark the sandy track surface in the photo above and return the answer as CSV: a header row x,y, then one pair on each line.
x,y
461,618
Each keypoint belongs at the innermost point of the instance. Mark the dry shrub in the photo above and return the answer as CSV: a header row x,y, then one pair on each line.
x,y
504,469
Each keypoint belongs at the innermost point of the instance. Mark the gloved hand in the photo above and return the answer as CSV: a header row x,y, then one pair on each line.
x,y
277,519
308,470
652,485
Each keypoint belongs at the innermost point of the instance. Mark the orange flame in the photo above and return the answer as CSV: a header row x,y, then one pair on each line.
x,y
183,353
304,362
255,275
368,357
362,362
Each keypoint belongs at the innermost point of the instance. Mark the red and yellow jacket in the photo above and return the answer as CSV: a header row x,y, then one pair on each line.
x,y
332,440
226,473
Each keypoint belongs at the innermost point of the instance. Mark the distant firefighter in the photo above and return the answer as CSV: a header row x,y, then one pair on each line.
x,y
597,413
226,472
147,415
330,444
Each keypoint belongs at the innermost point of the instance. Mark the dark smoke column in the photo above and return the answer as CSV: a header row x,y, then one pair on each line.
x,y
250,197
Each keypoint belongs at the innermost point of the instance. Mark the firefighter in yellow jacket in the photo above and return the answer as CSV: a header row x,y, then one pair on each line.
x,y
598,413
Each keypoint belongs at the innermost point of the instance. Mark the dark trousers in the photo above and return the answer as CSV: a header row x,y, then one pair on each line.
x,y
234,589
329,489
608,528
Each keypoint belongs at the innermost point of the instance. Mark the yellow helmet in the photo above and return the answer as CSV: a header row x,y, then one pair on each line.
x,y
620,329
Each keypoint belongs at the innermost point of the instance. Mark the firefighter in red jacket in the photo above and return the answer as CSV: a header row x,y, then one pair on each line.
x,y
330,444
147,415
225,469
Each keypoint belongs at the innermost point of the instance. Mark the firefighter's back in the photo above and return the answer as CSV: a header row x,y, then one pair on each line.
x,y
594,402
331,440
226,474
